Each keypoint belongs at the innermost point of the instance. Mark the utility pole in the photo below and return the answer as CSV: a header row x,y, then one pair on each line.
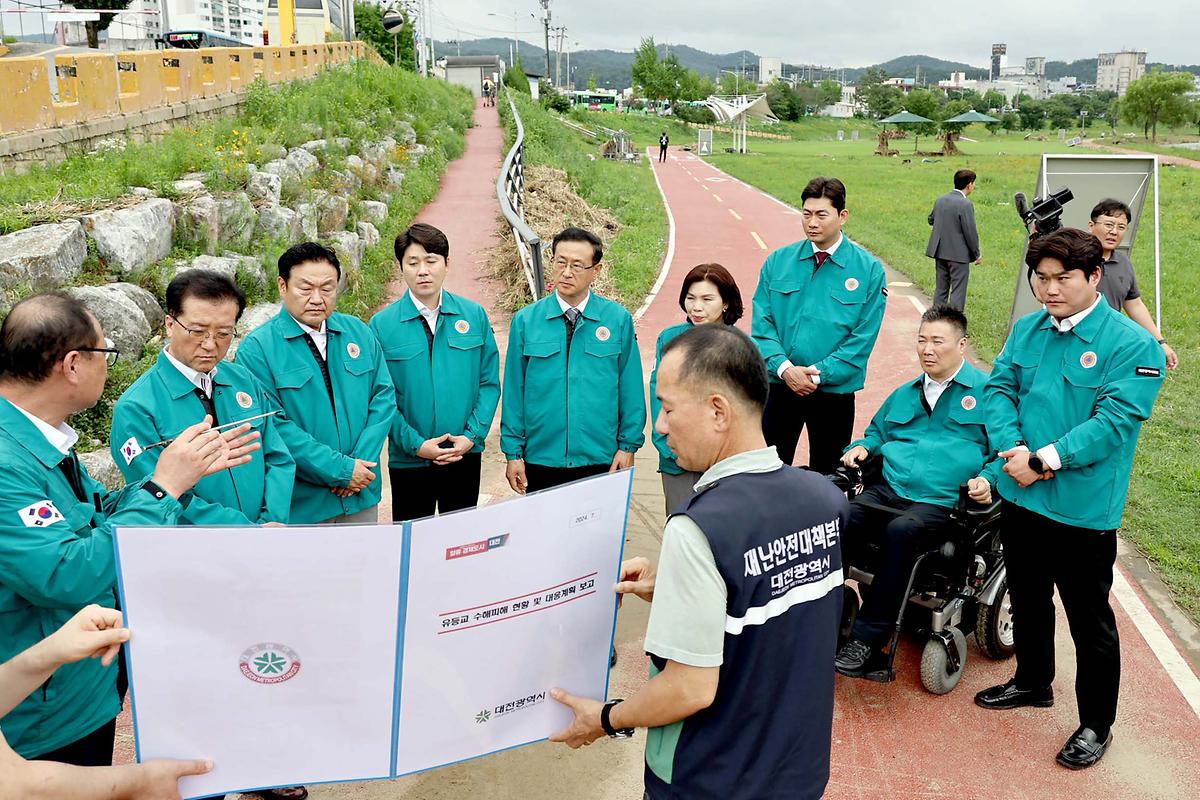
x,y
561,34
546,31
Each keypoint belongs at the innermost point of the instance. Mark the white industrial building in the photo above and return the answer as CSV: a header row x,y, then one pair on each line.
x,y
1115,71
769,70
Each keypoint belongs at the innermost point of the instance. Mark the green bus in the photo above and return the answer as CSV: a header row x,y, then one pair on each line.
x,y
598,100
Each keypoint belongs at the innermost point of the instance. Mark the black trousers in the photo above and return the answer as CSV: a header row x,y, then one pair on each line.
x,y
541,477
421,491
93,750
662,152
830,421
951,284
1040,554
901,540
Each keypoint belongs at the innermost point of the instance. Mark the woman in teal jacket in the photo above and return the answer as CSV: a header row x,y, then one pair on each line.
x,y
709,294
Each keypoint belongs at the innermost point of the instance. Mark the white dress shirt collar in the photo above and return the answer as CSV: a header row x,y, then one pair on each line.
x,y
430,315
564,305
933,389
201,380
62,438
832,248
1071,322
319,336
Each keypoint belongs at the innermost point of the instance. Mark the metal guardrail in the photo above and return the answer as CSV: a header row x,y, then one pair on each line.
x,y
510,192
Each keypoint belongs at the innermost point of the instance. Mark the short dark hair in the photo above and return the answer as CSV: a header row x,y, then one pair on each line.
x,y
1110,207
579,235
945,313
39,332
429,237
304,252
831,188
718,276
725,355
1076,249
963,178
202,284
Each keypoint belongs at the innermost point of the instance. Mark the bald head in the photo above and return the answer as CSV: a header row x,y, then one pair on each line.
x,y
40,331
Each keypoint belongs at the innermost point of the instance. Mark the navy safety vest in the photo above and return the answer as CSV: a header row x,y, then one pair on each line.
x,y
776,540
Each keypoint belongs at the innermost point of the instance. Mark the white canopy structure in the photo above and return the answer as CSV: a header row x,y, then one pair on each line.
x,y
737,109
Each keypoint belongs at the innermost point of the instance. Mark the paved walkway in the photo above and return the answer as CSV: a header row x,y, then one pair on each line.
x,y
1178,161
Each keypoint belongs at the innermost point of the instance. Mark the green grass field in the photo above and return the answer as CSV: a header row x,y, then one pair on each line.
x,y
889,199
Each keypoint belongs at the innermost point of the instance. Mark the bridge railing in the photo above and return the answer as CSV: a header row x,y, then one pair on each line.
x,y
510,192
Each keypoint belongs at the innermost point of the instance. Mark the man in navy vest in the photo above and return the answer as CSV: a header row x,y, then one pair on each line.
x,y
746,602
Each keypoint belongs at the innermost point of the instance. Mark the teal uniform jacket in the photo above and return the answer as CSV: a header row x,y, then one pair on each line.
x,y
162,403
325,438
576,406
666,459
452,388
829,321
53,563
927,456
1087,392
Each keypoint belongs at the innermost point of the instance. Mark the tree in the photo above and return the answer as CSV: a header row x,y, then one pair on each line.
x,y
1031,112
647,70
781,100
368,23
923,103
514,78
731,84
1158,97
993,101
949,111
831,92
592,86
880,100
94,27
1011,121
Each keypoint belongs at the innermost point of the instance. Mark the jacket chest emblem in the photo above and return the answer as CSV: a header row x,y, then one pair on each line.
x,y
603,334
851,284
353,350
968,402
462,326
244,400
1087,360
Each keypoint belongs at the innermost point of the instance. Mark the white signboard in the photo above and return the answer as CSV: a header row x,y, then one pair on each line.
x,y
333,653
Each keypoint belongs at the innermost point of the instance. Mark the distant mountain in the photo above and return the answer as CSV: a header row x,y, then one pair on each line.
x,y
931,69
1084,69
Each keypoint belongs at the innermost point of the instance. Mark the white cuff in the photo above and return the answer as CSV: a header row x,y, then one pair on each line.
x,y
784,367
1049,457
815,377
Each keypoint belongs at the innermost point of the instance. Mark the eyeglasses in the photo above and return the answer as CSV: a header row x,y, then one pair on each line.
x,y
201,335
1113,226
110,353
561,264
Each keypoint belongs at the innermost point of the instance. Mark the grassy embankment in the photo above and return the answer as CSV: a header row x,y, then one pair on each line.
x,y
889,200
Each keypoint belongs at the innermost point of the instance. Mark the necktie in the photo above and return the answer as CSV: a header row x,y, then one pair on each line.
x,y
323,364
572,316
821,257
209,408
205,384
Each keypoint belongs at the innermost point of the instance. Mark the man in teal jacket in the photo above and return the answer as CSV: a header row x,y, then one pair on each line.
x,y
442,355
326,371
190,381
1064,407
817,312
931,435
56,523
574,401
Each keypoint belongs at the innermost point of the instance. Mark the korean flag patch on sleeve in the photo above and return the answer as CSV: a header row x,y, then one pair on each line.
x,y
40,514
131,450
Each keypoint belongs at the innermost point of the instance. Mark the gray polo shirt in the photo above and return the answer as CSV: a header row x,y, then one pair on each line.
x,y
1118,283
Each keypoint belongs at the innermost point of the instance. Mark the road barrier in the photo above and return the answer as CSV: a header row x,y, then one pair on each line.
x,y
510,191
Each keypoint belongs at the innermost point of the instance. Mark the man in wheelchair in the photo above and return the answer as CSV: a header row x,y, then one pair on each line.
x,y
930,434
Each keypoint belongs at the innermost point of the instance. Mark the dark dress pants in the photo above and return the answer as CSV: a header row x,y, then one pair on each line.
x,y
421,491
830,421
901,538
1040,554
951,286
93,750
541,477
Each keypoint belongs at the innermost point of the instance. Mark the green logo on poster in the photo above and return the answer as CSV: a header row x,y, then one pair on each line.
x,y
269,662
483,716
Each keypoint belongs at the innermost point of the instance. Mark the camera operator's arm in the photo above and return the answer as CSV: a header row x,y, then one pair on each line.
x,y
1136,309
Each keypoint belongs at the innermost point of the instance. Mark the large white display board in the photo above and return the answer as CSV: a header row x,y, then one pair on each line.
x,y
336,653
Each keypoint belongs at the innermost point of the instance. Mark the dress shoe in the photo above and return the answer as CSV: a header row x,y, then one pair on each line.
x,y
1083,749
1009,695
851,660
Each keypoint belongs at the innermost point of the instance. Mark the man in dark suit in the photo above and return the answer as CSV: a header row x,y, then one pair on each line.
x,y
663,141
954,242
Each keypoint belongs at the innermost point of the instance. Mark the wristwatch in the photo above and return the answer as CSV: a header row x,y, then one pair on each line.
x,y
1036,464
1162,341
622,733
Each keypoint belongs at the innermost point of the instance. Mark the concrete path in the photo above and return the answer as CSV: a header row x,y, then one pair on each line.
x,y
1178,161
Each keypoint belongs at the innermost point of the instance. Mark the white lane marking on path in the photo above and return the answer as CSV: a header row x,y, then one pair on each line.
x,y
900,283
788,208
1160,644
670,256
735,214
917,304
707,189
758,239
717,197
697,180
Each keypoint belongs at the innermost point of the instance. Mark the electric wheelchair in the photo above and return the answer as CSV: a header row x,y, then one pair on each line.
x,y
957,587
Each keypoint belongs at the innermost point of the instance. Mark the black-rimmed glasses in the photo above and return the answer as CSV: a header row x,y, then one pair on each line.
x,y
111,353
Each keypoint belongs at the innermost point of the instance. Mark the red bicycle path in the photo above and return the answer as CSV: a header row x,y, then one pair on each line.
x,y
897,739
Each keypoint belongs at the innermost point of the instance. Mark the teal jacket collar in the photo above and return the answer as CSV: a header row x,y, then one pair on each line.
x,y
1089,327
590,311
26,434
808,252
451,306
291,329
177,383
968,377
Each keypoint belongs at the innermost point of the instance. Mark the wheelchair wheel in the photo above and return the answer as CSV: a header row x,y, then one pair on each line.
x,y
850,606
935,664
994,625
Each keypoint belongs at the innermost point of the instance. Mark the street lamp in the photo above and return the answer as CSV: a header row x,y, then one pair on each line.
x,y
738,84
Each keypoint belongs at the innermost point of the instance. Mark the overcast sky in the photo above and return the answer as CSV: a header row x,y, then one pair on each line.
x,y
850,33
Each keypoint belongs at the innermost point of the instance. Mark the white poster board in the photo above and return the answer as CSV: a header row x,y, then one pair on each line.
x,y
333,653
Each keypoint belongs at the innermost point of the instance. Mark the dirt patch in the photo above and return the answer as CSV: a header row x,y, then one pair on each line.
x,y
550,205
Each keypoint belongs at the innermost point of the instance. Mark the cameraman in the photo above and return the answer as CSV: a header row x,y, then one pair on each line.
x,y
1118,284
1064,406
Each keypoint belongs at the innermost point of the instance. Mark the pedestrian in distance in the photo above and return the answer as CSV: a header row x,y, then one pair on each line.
x,y
747,595
709,295
663,142
817,312
1064,406
954,241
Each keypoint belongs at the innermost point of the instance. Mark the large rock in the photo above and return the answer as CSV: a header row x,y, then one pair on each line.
x,y
236,221
303,162
251,267
368,233
188,186
130,239
223,264
121,318
100,465
197,224
278,224
406,134
146,302
309,217
264,187
375,211
315,146
44,256
415,153
395,178
271,151
253,317
380,153
333,210
349,249
283,169
345,182
354,163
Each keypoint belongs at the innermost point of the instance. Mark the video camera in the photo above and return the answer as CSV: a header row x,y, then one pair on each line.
x,y
1045,215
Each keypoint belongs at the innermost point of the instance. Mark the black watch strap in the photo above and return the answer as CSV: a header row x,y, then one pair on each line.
x,y
1036,464
154,489
622,733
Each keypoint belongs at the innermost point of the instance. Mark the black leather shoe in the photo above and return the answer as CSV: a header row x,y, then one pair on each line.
x,y
1009,695
1083,749
851,660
